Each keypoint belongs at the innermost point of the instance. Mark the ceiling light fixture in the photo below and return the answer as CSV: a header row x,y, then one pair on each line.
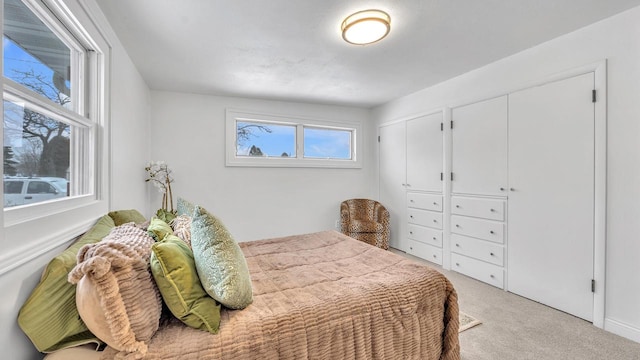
x,y
366,27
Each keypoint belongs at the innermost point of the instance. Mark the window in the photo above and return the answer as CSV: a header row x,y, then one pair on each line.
x,y
45,93
13,186
265,139
285,141
324,143
55,82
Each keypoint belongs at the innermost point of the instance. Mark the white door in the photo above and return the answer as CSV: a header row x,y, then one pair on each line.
x,y
479,153
393,179
551,197
424,153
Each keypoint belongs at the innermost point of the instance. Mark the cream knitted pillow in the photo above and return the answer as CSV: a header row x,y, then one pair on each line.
x,y
116,295
182,228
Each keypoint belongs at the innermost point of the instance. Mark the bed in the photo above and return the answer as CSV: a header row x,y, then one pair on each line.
x,y
326,296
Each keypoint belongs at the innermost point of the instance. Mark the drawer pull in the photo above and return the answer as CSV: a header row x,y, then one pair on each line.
x,y
410,247
411,232
491,254
458,206
411,216
458,245
434,238
411,200
492,210
435,203
491,232
434,256
457,264
435,221
457,225
512,189
491,276
501,189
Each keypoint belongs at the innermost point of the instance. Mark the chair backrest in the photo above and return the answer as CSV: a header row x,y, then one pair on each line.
x,y
361,209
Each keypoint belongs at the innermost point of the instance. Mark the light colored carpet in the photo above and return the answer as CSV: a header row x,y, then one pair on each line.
x,y
467,322
516,328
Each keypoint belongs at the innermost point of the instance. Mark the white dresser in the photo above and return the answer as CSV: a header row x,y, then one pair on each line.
x,y
478,237
425,224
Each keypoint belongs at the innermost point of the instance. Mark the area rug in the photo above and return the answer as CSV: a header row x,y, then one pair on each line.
x,y
467,322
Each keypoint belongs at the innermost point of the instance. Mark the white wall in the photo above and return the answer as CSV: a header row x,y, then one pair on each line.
x,y
188,132
130,149
130,143
617,40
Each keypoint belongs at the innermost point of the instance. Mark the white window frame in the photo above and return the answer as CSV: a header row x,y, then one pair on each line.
x,y
32,230
233,116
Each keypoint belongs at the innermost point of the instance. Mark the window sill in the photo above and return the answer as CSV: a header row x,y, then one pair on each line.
x,y
22,214
292,162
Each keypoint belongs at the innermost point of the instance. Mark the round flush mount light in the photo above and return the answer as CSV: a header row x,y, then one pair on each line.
x,y
366,27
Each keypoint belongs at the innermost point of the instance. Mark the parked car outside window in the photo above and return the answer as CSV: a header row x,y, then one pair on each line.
x,y
29,190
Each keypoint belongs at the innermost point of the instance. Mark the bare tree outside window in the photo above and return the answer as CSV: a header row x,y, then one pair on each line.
x,y
258,139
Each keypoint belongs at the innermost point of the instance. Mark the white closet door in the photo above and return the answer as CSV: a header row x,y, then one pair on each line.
x,y
551,197
393,178
479,154
424,153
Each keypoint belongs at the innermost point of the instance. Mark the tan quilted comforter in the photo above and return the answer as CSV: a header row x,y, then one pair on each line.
x,y
327,296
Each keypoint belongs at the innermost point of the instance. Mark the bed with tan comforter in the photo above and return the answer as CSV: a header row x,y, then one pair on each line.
x,y
327,296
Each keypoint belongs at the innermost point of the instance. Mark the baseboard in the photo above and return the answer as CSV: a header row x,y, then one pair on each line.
x,y
622,329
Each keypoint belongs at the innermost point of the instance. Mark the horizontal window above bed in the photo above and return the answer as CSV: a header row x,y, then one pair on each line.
x,y
266,140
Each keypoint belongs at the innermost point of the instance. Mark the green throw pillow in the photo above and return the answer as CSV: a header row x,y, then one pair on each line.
x,y
158,229
49,316
126,216
174,271
220,262
184,207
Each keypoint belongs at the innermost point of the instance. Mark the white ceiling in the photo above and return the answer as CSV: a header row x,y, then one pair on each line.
x,y
292,49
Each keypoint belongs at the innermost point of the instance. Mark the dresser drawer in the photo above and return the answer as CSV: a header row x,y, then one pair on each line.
x,y
478,228
426,235
424,251
425,218
481,208
489,273
478,249
424,201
